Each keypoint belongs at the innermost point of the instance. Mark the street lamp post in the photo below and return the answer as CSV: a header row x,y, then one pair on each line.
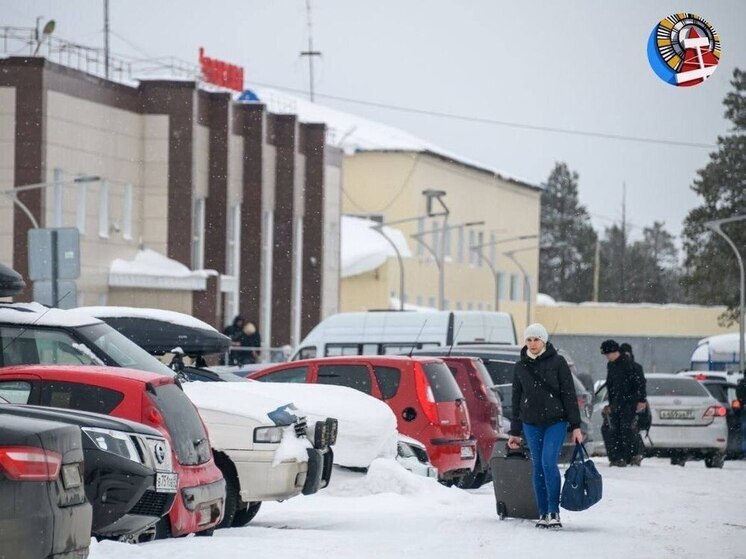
x,y
716,226
440,256
495,274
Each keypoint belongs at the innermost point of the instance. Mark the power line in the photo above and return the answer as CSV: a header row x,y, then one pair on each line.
x,y
483,120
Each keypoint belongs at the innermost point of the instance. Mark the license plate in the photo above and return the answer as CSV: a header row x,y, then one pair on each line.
x,y
71,476
467,452
166,483
677,414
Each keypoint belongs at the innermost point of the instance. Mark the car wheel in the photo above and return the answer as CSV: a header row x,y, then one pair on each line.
x,y
501,510
678,461
231,490
163,529
206,533
715,460
246,514
474,479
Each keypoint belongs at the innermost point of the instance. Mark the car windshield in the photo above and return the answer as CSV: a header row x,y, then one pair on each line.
x,y
675,387
121,351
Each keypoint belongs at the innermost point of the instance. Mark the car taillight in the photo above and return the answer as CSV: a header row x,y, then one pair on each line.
x,y
153,416
29,463
716,411
425,394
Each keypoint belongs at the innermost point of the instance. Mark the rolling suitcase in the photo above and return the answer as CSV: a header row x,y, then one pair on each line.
x,y
511,479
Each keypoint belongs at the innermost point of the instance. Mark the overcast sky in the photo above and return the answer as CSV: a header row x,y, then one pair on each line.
x,y
577,65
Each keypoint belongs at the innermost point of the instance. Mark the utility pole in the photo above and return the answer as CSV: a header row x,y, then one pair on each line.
x,y
106,39
596,270
310,53
623,290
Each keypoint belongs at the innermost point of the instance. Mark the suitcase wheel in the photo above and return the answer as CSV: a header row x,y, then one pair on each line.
x,y
501,510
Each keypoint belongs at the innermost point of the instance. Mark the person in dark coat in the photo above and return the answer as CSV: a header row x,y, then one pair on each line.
x,y
249,338
626,397
741,396
544,403
233,331
639,446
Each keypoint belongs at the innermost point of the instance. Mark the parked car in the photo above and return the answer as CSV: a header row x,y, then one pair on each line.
x,y
149,398
421,391
43,508
499,361
723,389
128,474
248,463
394,332
485,412
688,423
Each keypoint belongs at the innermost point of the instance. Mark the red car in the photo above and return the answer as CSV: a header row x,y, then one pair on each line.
x,y
149,398
421,391
485,412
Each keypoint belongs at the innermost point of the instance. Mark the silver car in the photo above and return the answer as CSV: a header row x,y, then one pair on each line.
x,y
688,422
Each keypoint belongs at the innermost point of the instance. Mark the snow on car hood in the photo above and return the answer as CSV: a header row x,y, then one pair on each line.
x,y
367,426
224,397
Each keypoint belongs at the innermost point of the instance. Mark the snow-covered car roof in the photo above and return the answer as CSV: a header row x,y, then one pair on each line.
x,y
39,315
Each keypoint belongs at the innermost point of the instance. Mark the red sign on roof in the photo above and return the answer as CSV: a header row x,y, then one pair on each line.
x,y
220,73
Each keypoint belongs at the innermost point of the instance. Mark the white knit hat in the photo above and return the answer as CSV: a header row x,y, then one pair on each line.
x,y
536,330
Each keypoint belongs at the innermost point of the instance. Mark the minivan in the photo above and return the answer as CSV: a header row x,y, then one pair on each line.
x,y
395,332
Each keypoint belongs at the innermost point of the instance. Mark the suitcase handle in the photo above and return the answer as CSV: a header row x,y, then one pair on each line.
x,y
521,452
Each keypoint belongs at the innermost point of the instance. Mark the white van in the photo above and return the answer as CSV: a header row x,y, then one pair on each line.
x,y
394,332
716,353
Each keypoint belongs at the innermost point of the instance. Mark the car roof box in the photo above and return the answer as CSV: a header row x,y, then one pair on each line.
x,y
11,282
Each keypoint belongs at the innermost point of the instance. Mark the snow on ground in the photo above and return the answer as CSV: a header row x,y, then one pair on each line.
x,y
655,511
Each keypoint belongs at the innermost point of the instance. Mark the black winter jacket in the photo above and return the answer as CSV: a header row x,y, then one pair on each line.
x,y
626,384
532,402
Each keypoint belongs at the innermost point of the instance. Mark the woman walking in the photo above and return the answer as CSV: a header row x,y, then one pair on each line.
x,y
544,403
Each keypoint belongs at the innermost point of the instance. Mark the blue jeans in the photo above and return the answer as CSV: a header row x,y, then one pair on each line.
x,y
545,444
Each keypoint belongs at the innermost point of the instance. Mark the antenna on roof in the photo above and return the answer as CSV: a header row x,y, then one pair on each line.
x,y
418,338
453,341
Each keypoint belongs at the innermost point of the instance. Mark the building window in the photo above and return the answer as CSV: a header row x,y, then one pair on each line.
x,y
431,302
420,302
198,234
480,242
515,287
81,210
233,242
473,254
469,306
459,306
447,244
461,245
480,307
493,248
502,286
420,234
446,305
103,210
127,218
527,289
435,237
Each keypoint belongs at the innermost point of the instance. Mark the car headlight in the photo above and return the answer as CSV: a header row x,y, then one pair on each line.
x,y
160,451
116,442
268,434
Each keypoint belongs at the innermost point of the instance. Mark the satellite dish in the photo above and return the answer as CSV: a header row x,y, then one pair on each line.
x,y
49,27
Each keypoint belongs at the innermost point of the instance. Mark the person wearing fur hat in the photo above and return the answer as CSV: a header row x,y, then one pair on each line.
x,y
544,404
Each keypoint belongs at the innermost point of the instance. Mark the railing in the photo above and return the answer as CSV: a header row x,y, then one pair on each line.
x,y
240,355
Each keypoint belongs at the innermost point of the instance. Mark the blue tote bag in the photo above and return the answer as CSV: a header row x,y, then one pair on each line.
x,y
583,485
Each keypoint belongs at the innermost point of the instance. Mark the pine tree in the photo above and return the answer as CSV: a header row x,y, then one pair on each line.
x,y
567,239
711,271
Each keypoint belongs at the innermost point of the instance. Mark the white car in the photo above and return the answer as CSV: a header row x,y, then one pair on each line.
x,y
264,446
687,421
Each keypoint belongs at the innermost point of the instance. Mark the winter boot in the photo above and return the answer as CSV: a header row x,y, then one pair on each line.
x,y
636,460
542,522
554,520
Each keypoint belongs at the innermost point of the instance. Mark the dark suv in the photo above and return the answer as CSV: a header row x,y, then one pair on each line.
x,y
124,464
43,507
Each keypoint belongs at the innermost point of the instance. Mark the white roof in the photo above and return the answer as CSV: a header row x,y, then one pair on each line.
x,y
719,348
363,249
171,317
37,314
354,133
152,270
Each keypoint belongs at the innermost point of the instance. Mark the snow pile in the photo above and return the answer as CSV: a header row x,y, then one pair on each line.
x,y
388,476
172,317
364,249
151,269
291,448
545,300
367,426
